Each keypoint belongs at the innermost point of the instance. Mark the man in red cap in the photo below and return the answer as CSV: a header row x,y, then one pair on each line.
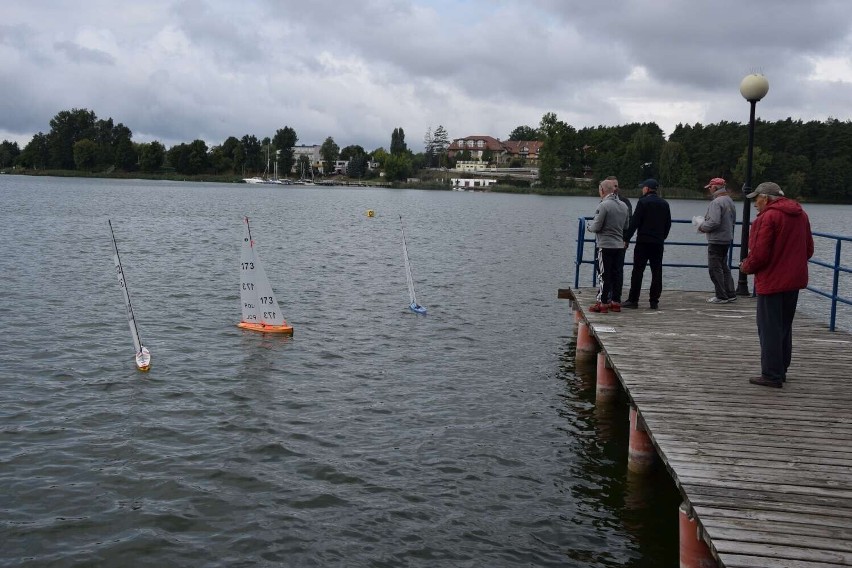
x,y
779,246
718,226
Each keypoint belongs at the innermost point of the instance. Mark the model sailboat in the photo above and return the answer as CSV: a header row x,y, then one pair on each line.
x,y
260,308
413,306
143,356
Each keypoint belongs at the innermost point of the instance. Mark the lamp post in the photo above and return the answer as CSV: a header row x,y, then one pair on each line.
x,y
753,88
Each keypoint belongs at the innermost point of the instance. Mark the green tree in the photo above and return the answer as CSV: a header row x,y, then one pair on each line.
x,y
66,129
524,133
85,154
380,156
795,184
329,152
123,153
252,160
760,161
219,162
197,160
357,166
398,167
351,151
675,167
305,167
151,156
397,145
36,154
284,141
440,143
9,151
559,152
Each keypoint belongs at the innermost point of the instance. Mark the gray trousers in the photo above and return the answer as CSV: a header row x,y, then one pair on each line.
x,y
720,272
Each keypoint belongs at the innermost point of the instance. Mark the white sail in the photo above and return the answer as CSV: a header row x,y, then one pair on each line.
x,y
411,293
259,305
143,356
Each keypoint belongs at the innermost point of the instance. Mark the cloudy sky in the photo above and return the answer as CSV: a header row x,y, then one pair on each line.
x,y
178,70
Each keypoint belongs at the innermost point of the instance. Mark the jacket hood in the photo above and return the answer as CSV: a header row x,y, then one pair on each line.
x,y
786,206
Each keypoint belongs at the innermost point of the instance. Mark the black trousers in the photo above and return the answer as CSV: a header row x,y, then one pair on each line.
x,y
607,261
618,283
644,254
775,313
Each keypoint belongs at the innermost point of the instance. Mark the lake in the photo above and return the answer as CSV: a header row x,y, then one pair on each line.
x,y
371,437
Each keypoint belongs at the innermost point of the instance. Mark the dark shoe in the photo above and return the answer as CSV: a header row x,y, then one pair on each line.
x,y
654,305
630,304
599,308
765,382
614,307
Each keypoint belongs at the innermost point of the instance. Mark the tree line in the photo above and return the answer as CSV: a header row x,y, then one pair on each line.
x,y
78,140
810,160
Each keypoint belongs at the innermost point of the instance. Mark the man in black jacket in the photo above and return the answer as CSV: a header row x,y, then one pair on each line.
x,y
651,222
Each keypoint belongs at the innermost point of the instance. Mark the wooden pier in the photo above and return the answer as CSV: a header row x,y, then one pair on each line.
x,y
765,474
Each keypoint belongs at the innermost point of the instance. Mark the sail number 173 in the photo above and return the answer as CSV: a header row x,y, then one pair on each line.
x,y
247,265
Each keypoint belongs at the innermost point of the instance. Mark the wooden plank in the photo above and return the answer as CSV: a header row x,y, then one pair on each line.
x,y
767,472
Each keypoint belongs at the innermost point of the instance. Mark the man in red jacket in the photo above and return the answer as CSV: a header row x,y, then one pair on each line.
x,y
779,246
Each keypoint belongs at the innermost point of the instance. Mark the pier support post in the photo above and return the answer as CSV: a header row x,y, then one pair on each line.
x,y
641,453
606,386
694,552
585,342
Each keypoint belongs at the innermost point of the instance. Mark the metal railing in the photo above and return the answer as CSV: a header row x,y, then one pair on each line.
x,y
836,267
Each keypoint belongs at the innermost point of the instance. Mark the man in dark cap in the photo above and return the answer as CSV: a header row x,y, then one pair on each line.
x,y
651,223
779,246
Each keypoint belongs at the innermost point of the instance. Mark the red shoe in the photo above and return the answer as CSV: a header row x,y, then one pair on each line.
x,y
599,308
615,307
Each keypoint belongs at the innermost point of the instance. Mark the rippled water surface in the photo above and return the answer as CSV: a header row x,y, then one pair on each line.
x,y
372,437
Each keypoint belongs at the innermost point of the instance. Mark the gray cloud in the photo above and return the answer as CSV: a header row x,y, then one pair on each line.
x,y
176,70
79,54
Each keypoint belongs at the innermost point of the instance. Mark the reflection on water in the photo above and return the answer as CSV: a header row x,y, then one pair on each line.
x,y
371,437
645,505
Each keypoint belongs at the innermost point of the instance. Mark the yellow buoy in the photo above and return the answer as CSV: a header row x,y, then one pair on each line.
x,y
371,213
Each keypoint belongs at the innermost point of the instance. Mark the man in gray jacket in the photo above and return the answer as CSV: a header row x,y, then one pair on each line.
x,y
610,223
718,226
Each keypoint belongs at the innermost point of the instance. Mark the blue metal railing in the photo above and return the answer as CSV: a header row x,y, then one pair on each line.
x,y
836,267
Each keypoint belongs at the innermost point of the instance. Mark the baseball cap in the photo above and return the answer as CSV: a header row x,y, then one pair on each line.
x,y
766,188
650,183
715,181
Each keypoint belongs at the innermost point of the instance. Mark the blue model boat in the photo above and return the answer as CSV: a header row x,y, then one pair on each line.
x,y
413,306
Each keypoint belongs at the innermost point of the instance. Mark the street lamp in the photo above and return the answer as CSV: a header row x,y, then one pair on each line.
x,y
753,88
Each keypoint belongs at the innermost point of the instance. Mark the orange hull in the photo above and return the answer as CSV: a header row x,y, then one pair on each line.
x,y
288,329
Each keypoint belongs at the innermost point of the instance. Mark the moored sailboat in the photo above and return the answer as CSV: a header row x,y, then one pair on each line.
x,y
143,355
260,311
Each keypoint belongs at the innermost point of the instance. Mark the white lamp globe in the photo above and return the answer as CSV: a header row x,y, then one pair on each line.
x,y
754,87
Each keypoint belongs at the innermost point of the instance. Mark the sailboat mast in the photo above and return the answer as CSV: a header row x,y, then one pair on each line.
x,y
136,338
408,274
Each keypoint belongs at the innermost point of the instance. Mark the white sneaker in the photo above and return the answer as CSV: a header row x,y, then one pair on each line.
x,y
732,299
715,300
